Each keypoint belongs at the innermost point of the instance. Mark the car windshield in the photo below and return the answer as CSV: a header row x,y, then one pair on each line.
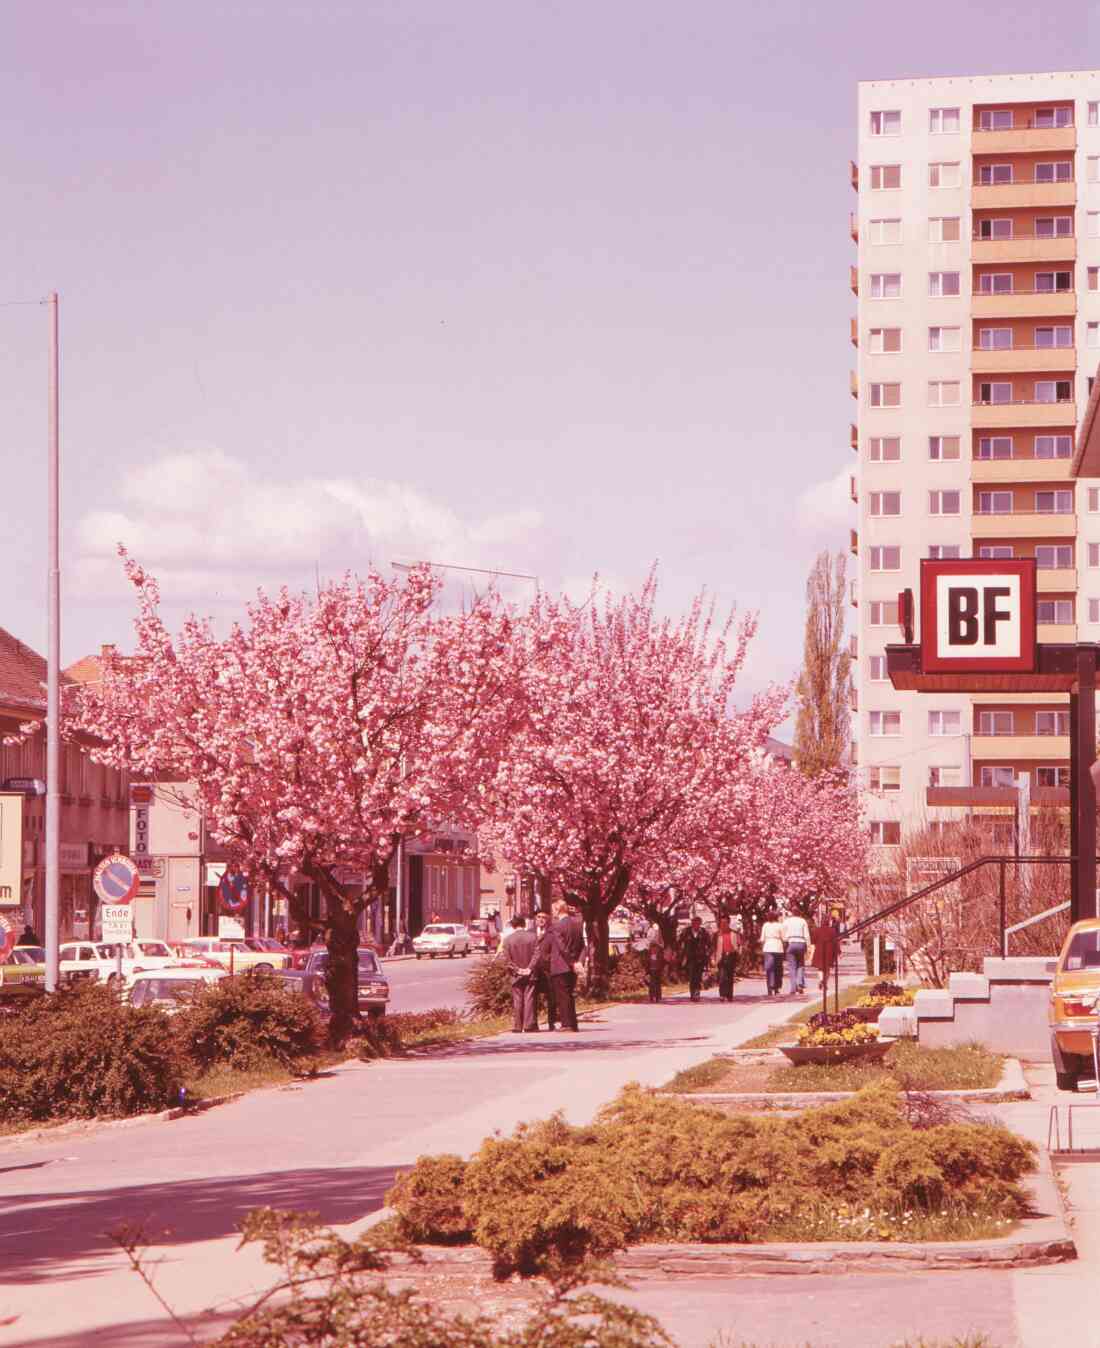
x,y
157,948
28,954
436,929
1083,952
149,990
368,962
262,943
110,952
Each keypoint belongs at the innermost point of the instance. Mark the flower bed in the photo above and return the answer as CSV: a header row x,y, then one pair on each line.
x,y
836,1029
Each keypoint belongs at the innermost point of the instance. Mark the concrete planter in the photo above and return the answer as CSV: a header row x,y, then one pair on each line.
x,y
834,1053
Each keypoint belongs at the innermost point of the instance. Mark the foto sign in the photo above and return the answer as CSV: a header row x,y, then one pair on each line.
x,y
978,615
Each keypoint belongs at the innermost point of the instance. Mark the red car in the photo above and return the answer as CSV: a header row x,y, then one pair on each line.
x,y
300,957
483,935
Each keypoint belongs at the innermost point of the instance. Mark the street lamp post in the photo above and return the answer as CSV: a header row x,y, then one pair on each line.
x,y
53,670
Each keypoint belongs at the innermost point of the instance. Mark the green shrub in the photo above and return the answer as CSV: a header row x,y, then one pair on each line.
x,y
489,988
80,1053
249,1020
430,1199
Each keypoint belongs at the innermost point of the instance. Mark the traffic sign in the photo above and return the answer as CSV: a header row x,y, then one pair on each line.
x,y
115,879
118,923
233,891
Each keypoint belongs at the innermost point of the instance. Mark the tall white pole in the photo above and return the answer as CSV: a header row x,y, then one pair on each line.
x,y
53,674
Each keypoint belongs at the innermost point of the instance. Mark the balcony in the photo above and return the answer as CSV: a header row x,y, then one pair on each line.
x,y
1021,196
853,174
1014,748
853,383
853,487
1024,140
854,331
853,646
853,225
1024,304
1023,359
1024,248
853,279
1056,580
1056,634
854,542
853,752
853,594
1020,470
1023,414
853,435
1024,524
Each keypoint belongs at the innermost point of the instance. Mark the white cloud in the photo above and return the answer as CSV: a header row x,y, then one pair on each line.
x,y
826,507
208,524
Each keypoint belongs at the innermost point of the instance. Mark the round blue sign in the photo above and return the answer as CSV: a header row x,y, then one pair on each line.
x,y
233,891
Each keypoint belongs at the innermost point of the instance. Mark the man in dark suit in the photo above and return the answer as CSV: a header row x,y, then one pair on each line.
x,y
695,955
521,952
544,990
566,947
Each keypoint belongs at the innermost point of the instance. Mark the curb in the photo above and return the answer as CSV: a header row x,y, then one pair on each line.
x,y
62,1130
1012,1086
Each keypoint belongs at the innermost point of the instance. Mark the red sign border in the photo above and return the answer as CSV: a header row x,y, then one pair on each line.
x,y
931,660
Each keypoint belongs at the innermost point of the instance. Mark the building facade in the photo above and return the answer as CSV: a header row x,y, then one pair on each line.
x,y
977,329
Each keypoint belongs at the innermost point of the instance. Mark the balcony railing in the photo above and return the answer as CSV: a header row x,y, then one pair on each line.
x,y
853,646
1017,346
853,279
1020,290
853,594
853,173
1028,182
1024,402
853,225
853,487
853,542
854,331
1023,123
853,383
853,436
1016,233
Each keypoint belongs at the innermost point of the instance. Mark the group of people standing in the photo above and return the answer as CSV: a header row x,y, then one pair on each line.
x,y
543,962
696,950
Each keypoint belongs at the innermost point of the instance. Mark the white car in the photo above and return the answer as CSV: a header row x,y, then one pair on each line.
x,y
171,989
233,955
98,960
156,955
442,938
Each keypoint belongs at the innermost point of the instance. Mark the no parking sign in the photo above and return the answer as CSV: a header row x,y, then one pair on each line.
x,y
115,879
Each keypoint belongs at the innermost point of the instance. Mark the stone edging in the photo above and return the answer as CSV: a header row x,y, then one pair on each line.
x,y
1012,1086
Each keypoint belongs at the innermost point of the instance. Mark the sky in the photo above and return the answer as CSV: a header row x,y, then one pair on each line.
x,y
552,288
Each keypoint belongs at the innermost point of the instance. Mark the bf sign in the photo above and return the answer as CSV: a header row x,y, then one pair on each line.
x,y
978,615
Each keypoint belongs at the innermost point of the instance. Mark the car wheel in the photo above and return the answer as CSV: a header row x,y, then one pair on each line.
x,y
451,953
418,957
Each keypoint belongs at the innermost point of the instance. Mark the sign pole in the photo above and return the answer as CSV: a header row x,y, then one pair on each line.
x,y
1083,755
53,674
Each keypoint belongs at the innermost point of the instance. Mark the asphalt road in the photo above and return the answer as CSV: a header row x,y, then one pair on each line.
x,y
420,985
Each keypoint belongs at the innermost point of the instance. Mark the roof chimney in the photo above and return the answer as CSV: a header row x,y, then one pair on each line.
x,y
107,649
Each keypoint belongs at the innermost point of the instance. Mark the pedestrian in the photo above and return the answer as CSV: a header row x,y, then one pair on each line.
x,y
771,937
655,962
695,955
544,992
566,948
796,933
30,936
826,949
726,948
521,951
280,935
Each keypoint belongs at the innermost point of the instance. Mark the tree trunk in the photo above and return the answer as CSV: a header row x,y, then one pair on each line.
x,y
342,979
599,953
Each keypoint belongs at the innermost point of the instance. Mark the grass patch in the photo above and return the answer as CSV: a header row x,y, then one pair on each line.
x,y
222,1080
703,1077
781,1034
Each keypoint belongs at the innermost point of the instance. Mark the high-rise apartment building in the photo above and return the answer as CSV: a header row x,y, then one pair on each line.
x,y
977,331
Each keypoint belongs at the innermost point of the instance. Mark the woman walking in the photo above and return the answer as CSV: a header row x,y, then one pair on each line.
x,y
655,963
771,936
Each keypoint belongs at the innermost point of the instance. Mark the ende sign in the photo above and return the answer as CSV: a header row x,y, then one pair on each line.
x,y
978,615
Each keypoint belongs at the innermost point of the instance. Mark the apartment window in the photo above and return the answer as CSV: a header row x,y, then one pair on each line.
x,y
886,558
994,503
885,779
884,231
996,723
1094,278
995,447
1053,280
1094,610
1092,335
995,339
886,503
991,174
885,341
885,723
944,393
994,391
941,447
944,722
1055,556
943,175
885,285
1094,114
1094,500
885,395
877,671
943,121
1054,502
1062,335
945,339
944,229
886,832
1093,166
1053,391
1052,722
995,283
998,776
883,612
1054,227
1048,117
1054,611
885,448
995,119
1094,554
943,551
1053,446
993,229
1058,172
945,776
1092,224
1055,775
885,176
944,502
995,551
943,283
886,123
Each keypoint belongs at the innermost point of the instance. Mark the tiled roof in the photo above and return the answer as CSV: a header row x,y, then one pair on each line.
x,y
86,670
22,673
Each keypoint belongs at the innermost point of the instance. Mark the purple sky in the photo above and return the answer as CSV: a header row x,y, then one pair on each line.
x,y
518,284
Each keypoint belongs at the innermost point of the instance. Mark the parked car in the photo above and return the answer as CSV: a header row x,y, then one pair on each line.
x,y
99,960
442,938
300,955
1074,1009
233,955
171,989
156,955
483,935
23,974
374,988
266,943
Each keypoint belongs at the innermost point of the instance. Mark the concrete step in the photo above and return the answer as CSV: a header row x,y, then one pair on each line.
x,y
1004,1008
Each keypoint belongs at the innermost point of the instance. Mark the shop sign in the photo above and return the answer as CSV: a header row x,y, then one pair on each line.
x,y
11,851
978,615
27,786
230,928
73,856
141,799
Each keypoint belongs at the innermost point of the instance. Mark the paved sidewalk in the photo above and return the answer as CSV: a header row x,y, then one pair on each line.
x,y
332,1145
